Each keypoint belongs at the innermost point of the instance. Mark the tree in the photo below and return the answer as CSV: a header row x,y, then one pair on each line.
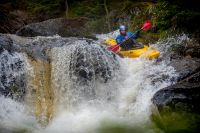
x,y
107,15
66,8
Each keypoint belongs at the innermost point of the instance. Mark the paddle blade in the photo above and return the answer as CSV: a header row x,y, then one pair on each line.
x,y
115,48
147,25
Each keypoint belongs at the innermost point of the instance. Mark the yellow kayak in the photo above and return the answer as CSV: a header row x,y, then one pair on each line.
x,y
144,51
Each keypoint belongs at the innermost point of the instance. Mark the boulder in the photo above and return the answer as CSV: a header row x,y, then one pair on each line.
x,y
184,66
186,92
5,44
193,51
60,26
91,62
177,108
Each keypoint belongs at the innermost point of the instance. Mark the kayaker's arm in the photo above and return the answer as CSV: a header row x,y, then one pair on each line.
x,y
135,34
119,39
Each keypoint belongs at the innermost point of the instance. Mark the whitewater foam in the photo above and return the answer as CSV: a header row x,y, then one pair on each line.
x,y
137,81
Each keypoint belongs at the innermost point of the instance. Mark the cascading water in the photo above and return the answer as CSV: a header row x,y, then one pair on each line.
x,y
12,73
76,69
13,113
77,86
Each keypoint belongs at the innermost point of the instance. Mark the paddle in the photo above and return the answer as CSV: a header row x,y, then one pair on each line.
x,y
147,25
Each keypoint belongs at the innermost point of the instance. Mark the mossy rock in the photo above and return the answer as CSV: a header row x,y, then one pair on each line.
x,y
171,121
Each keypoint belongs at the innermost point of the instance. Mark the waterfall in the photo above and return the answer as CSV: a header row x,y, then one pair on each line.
x,y
13,84
12,74
74,85
77,70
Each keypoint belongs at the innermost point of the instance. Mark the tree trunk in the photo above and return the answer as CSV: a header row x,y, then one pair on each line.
x,y
107,15
66,8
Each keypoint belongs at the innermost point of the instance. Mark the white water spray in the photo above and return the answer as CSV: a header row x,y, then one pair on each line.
x,y
123,101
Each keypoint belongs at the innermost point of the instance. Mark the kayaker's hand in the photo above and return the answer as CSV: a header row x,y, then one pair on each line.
x,y
137,33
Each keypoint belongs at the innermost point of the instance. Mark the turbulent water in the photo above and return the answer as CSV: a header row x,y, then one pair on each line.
x,y
114,94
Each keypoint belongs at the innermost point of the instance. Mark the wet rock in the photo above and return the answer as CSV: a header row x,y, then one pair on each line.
x,y
184,93
6,43
90,65
179,104
12,74
92,62
60,26
193,51
185,66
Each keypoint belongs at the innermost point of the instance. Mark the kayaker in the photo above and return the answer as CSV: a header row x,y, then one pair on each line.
x,y
124,35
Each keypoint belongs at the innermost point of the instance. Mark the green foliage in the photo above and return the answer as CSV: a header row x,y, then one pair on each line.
x,y
168,16
177,16
89,8
51,8
97,25
48,7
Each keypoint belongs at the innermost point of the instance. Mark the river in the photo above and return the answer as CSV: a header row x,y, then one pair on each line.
x,y
57,100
